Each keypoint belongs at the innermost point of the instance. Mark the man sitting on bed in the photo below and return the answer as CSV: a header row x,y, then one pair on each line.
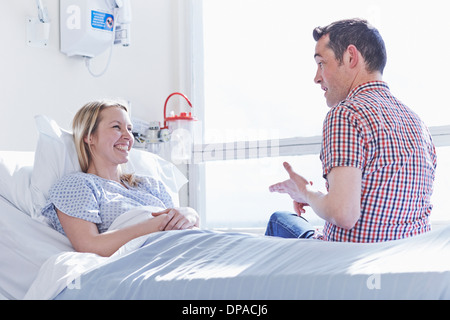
x,y
377,155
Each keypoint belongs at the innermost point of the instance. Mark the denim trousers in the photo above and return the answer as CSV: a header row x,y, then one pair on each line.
x,y
289,225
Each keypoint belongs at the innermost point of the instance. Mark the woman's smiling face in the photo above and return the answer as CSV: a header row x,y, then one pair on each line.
x,y
113,138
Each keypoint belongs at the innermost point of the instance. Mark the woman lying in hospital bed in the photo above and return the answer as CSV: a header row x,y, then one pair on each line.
x,y
83,205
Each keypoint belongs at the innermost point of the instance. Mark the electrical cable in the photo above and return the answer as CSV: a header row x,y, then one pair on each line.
x,y
87,60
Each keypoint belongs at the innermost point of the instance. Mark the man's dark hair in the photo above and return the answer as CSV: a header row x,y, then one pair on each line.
x,y
359,33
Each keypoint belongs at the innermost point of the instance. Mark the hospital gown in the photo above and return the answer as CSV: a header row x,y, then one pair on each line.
x,y
101,201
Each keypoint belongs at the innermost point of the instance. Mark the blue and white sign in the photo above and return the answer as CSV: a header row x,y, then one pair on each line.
x,y
102,20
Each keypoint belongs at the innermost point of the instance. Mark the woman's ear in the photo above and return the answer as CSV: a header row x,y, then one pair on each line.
x,y
88,139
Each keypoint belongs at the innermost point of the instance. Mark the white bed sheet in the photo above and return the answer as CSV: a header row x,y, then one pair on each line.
x,y
408,269
212,265
25,244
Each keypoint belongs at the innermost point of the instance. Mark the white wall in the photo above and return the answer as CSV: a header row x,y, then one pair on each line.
x,y
45,81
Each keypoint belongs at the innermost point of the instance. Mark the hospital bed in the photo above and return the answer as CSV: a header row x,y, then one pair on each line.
x,y
37,262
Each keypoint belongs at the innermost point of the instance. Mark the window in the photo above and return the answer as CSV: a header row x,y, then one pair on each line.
x,y
261,106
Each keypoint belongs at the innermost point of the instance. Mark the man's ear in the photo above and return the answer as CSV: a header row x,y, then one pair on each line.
x,y
353,56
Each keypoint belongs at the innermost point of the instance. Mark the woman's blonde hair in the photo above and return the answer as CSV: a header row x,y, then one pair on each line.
x,y
85,124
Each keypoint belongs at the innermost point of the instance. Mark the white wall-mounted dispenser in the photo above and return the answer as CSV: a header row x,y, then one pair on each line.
x,y
90,27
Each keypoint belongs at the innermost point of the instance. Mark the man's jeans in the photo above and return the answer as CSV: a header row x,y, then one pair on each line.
x,y
289,225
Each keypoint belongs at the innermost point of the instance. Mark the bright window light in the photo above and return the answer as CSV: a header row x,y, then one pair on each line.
x,y
258,84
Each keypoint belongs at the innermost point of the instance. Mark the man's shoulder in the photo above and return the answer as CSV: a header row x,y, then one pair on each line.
x,y
347,108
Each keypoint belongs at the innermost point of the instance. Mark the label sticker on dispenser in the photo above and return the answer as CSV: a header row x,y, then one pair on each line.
x,y
102,20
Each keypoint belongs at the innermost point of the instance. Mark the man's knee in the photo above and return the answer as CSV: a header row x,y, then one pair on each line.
x,y
279,215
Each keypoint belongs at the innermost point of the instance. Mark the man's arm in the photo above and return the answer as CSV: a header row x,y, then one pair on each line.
x,y
341,206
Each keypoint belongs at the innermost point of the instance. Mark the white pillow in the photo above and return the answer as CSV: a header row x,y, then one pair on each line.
x,y
15,176
149,164
56,156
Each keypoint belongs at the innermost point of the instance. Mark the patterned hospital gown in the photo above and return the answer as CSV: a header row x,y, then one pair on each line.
x,y
101,201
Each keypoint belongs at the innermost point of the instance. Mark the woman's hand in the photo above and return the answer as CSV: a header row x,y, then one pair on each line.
x,y
178,218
